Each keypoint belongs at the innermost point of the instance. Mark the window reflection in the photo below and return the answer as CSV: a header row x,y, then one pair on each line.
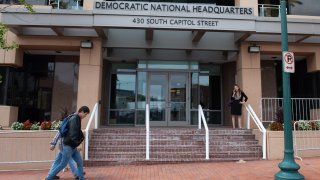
x,y
44,88
123,91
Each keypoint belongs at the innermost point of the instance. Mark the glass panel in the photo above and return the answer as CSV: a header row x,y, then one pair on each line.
x,y
141,117
123,67
158,96
64,92
213,117
142,64
205,93
211,69
4,71
168,65
123,88
194,65
215,84
194,118
31,87
210,92
122,117
178,100
142,90
194,90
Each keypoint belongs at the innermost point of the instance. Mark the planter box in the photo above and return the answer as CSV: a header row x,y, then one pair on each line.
x,y
305,140
26,150
21,150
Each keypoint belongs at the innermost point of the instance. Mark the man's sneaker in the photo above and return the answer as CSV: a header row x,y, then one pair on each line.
x,y
84,173
56,177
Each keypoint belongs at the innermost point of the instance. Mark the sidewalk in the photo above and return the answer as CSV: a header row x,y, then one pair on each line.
x,y
310,168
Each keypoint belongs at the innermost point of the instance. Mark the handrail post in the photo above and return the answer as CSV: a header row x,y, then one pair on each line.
x,y
264,145
94,113
202,118
207,145
262,129
147,133
86,156
96,118
199,116
248,120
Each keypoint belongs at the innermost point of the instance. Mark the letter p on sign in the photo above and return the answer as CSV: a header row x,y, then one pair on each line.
x,y
288,62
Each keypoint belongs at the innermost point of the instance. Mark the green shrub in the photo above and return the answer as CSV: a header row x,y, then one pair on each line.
x,y
304,125
317,124
17,126
55,125
35,126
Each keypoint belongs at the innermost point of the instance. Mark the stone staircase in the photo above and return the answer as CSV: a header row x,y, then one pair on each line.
x,y
112,146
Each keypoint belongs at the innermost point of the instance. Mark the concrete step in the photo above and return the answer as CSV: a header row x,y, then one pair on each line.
x,y
127,145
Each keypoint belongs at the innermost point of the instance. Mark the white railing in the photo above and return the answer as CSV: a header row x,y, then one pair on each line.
x,y
269,10
94,113
253,115
69,5
302,108
306,136
203,119
147,132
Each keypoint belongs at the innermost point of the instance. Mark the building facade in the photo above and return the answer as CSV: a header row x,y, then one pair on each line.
x,y
172,55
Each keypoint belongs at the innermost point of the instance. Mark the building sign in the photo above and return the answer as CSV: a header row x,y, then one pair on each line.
x,y
288,62
172,15
172,7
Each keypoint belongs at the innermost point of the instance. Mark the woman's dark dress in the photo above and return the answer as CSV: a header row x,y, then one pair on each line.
x,y
236,105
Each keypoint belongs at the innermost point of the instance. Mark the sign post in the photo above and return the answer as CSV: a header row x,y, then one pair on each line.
x,y
288,167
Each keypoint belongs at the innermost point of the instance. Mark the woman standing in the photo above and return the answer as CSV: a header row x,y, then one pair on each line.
x,y
238,97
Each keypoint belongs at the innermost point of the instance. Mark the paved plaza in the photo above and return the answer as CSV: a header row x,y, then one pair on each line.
x,y
310,168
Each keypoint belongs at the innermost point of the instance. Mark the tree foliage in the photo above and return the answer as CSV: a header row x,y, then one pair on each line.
x,y
4,29
294,2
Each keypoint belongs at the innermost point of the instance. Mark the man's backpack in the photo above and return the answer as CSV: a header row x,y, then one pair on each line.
x,y
64,127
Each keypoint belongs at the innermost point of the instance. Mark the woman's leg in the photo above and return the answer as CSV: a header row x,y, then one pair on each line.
x,y
233,121
239,122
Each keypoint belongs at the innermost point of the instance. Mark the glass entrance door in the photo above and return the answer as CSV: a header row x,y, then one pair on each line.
x,y
168,98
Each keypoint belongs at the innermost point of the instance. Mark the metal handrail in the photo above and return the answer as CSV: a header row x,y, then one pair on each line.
x,y
253,115
147,132
95,114
203,119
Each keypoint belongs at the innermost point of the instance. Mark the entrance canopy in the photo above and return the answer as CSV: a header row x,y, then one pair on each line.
x,y
185,33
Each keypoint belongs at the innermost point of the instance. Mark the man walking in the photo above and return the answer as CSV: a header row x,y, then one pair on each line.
x,y
71,141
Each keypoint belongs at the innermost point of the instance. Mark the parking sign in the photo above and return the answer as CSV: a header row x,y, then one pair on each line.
x,y
288,62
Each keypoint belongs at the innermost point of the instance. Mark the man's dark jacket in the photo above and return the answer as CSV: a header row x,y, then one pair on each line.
x,y
74,136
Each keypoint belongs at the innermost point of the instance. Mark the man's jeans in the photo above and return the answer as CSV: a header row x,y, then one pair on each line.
x,y
66,154
71,163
